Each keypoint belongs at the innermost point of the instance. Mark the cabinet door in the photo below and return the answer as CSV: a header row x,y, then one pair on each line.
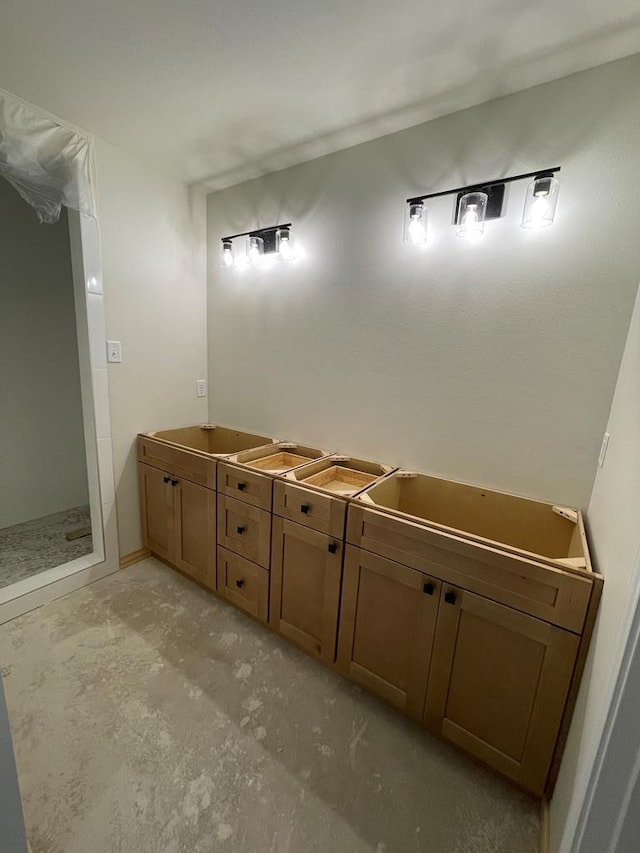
x,y
387,624
498,684
156,500
195,525
306,569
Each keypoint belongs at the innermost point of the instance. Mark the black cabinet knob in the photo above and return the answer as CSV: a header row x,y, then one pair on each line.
x,y
240,530
242,486
333,547
304,508
175,482
167,479
450,597
239,584
428,588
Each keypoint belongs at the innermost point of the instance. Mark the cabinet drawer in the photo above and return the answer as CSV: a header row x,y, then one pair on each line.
x,y
534,588
244,529
243,584
245,486
312,509
183,463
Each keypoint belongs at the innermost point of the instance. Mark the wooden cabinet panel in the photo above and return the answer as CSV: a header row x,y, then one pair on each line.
x,y
243,584
245,530
498,684
195,525
324,513
179,461
156,501
245,486
543,591
306,571
387,624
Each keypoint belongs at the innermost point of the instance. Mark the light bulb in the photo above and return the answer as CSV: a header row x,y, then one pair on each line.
x,y
255,250
226,255
284,244
471,215
416,224
540,202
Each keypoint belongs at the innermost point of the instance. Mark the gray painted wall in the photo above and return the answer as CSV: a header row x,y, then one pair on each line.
x,y
492,363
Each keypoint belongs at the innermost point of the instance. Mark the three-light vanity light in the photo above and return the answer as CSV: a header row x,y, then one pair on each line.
x,y
275,241
478,203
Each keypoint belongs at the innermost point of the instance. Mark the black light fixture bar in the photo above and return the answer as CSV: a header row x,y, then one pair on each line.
x,y
539,173
258,232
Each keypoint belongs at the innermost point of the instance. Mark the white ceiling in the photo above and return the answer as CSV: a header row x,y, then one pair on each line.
x,y
224,90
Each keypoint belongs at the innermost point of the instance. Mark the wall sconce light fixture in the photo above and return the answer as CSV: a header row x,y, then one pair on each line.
x,y
275,241
478,203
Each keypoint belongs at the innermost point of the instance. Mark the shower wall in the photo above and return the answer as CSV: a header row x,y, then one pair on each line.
x,y
42,454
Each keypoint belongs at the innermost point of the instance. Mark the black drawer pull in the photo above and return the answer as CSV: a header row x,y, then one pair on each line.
x,y
333,547
428,588
167,479
240,530
242,486
175,482
239,584
304,508
450,597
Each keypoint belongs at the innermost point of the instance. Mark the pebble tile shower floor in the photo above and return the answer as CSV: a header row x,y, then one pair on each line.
x,y
150,717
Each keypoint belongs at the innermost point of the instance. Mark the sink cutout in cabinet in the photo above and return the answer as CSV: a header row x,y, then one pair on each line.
x,y
216,440
522,523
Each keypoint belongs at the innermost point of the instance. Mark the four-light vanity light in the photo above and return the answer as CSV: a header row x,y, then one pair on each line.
x,y
477,203
275,241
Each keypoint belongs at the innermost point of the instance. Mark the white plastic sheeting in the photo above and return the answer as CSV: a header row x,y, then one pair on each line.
x,y
50,165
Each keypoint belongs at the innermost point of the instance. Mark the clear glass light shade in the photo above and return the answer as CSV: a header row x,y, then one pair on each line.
x,y
284,244
471,214
540,203
255,250
227,259
415,224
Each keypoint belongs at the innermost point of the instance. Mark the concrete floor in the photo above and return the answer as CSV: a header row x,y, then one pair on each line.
x,y
149,716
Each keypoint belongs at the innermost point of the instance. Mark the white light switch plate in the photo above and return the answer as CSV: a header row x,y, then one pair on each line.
x,y
114,352
201,387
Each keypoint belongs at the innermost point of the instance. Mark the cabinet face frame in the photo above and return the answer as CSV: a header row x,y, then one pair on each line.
x,y
541,717
328,565
417,664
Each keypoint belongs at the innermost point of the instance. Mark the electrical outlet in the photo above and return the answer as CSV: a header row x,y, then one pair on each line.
x,y
201,387
114,352
603,449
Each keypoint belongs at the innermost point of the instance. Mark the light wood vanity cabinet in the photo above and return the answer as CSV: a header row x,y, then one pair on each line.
x,y
469,610
178,520
306,570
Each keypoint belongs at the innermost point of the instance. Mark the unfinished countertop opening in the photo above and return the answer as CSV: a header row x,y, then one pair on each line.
x,y
340,475
539,528
279,458
213,439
